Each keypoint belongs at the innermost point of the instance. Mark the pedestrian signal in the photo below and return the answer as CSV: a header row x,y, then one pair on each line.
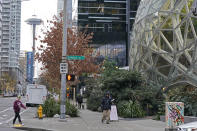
x,y
70,77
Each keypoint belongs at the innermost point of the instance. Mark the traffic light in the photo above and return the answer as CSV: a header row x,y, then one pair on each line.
x,y
70,77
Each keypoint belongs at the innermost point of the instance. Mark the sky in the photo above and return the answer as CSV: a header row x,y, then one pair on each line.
x,y
43,9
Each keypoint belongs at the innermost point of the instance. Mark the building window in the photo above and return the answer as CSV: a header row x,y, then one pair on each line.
x,y
109,27
94,27
100,9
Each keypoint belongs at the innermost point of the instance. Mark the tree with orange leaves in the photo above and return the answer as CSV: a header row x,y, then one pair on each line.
x,y
50,52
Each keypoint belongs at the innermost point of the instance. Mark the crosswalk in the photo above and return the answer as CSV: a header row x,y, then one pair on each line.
x,y
6,110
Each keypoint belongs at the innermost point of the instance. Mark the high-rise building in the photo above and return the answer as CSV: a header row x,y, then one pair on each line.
x,y
132,9
111,22
72,8
0,26
10,46
132,6
0,20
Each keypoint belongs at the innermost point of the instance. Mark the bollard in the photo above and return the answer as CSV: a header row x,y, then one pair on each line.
x,y
40,115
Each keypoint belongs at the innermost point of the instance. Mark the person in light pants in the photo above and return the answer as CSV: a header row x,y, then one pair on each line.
x,y
106,108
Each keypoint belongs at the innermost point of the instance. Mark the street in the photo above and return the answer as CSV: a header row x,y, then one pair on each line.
x,y
76,60
88,121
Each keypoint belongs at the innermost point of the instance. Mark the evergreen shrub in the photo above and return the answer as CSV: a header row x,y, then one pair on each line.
x,y
130,109
51,107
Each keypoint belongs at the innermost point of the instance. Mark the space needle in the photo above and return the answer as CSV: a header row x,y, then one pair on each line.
x,y
34,22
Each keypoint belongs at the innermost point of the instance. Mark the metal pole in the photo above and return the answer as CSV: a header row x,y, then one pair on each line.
x,y
34,31
63,76
74,96
128,32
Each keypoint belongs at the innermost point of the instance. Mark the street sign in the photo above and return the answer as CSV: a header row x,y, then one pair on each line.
x,y
63,68
75,57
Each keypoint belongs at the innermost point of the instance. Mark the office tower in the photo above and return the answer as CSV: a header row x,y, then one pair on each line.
x,y
0,28
10,46
110,21
107,19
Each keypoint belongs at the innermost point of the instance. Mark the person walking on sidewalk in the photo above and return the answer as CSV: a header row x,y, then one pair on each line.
x,y
79,101
17,107
106,107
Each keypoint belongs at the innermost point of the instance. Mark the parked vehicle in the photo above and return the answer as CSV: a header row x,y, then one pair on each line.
x,y
35,94
9,94
188,127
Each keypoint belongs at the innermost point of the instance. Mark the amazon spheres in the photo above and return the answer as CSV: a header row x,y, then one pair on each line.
x,y
163,44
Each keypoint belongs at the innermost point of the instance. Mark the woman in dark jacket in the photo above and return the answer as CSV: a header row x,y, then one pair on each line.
x,y
17,107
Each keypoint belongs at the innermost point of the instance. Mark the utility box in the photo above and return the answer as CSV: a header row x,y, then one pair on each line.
x,y
174,114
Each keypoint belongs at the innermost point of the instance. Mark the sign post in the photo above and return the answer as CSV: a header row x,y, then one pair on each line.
x,y
64,52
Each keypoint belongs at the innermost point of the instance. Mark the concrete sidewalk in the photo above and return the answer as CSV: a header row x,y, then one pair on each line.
x,y
90,121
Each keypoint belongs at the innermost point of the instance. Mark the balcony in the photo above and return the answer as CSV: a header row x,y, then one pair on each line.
x,y
4,69
5,37
4,62
5,47
4,51
6,28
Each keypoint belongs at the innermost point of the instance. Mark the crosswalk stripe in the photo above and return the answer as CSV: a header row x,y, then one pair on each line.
x,y
13,116
6,110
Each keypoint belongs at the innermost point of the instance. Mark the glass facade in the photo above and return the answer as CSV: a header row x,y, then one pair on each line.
x,y
110,21
133,10
107,19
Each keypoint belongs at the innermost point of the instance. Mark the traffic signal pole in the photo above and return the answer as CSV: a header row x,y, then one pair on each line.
x,y
63,75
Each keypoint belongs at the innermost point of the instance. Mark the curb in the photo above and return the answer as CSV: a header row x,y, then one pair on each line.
x,y
31,129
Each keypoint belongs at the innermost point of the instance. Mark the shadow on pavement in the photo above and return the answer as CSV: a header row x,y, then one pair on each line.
x,y
31,129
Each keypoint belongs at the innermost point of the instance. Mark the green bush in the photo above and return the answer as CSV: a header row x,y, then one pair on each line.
x,y
71,110
51,107
123,86
130,109
161,111
94,101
